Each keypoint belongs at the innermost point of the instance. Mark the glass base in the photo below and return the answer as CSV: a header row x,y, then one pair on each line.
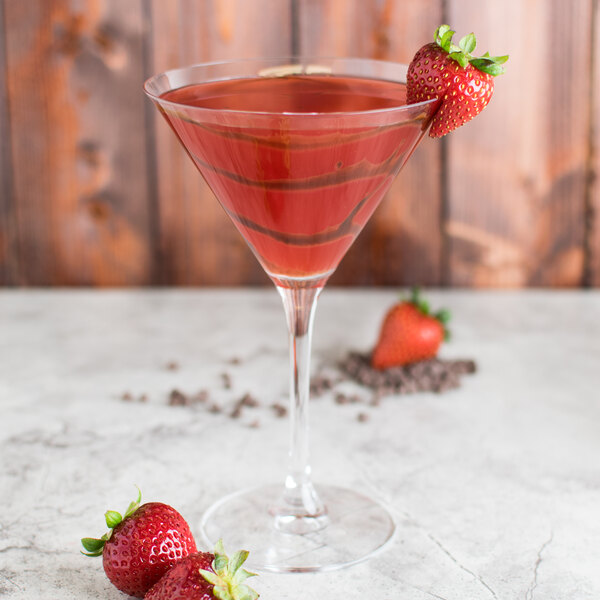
x,y
352,530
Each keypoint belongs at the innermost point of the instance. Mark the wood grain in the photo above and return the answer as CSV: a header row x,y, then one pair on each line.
x,y
593,198
74,76
96,190
198,243
9,266
402,243
517,175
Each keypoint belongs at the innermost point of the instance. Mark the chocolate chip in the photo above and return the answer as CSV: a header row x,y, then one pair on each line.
x,y
248,400
226,378
172,366
341,398
320,384
235,360
143,398
280,410
236,413
215,409
127,397
254,424
177,398
362,417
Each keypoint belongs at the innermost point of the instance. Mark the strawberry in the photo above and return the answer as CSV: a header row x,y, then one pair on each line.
x,y
206,576
142,545
463,83
409,333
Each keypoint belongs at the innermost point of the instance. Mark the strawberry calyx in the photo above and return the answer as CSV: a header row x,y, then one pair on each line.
x,y
228,577
443,315
492,65
95,546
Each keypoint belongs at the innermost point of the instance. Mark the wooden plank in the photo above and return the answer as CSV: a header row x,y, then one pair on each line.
x,y
517,175
199,245
402,244
74,77
8,221
593,232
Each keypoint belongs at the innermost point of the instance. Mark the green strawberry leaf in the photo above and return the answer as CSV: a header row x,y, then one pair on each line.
x,y
228,575
242,575
92,554
221,592
236,561
95,546
113,518
219,548
490,69
462,53
210,577
92,544
423,306
133,506
220,563
443,315
499,60
460,58
439,33
243,592
468,43
446,40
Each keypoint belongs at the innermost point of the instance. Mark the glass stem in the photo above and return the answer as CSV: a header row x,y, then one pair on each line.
x,y
301,509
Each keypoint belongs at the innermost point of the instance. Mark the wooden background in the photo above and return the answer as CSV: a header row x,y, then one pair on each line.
x,y
94,189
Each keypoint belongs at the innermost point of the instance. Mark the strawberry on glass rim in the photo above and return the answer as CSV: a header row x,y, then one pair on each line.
x,y
463,83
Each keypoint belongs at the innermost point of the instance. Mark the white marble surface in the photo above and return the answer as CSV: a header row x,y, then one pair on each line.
x,y
495,486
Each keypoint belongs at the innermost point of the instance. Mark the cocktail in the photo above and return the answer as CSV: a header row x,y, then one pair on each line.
x,y
299,153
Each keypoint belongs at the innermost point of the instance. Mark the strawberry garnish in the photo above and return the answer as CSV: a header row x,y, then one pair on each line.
x,y
141,545
410,333
463,83
206,576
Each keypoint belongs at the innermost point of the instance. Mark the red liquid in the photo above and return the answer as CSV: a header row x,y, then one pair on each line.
x,y
300,187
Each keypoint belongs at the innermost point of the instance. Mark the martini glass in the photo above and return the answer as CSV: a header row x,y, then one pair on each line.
x,y
299,153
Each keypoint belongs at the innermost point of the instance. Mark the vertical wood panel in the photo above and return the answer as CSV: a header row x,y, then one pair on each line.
x,y
517,174
593,242
74,76
402,243
76,134
199,243
8,222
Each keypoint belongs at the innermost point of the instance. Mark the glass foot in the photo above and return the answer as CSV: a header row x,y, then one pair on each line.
x,y
352,530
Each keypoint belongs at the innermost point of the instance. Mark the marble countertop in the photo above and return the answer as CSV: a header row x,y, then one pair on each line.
x,y
495,486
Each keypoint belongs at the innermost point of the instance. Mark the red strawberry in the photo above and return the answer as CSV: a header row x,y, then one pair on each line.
x,y
206,576
409,333
450,73
142,545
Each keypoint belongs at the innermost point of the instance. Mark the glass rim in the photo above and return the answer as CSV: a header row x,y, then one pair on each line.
x,y
291,61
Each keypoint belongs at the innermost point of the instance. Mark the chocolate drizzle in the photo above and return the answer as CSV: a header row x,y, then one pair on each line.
x,y
360,170
346,227
306,239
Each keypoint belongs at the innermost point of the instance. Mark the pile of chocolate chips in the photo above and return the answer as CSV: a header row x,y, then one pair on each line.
x,y
434,375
